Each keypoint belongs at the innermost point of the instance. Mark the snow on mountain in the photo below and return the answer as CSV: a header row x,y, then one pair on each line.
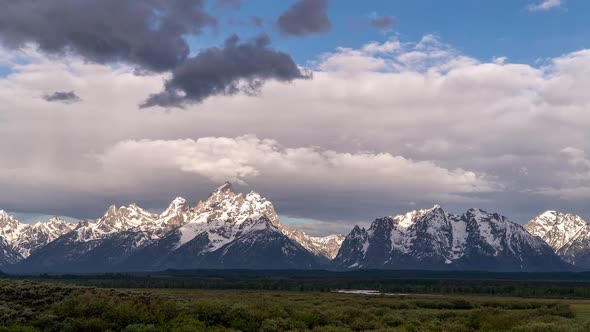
x,y
180,234
227,220
7,254
10,228
177,214
35,236
326,246
567,234
95,245
221,216
127,218
556,228
26,238
435,239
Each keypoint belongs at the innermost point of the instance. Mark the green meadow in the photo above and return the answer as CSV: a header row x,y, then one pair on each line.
x,y
38,305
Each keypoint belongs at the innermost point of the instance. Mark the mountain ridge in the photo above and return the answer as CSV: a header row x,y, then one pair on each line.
x,y
24,239
235,230
434,239
221,219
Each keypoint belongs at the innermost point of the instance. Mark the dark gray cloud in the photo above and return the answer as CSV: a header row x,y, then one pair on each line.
x,y
235,4
150,35
383,22
257,21
227,70
62,96
305,17
146,33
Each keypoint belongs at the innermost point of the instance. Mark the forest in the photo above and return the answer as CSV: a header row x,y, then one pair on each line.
x,y
532,285
73,304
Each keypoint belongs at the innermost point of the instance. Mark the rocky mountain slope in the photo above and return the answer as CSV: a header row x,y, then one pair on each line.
x,y
228,230
97,245
19,240
326,246
435,239
567,234
207,235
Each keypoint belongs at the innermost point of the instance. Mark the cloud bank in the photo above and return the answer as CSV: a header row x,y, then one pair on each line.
x,y
387,127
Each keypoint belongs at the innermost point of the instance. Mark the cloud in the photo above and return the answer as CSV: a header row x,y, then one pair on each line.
x,y
248,159
420,106
257,21
546,5
574,176
147,33
151,36
226,71
383,23
305,17
62,96
429,54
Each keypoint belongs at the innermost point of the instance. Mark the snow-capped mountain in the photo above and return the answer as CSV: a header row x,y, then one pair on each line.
x,y
556,228
182,236
435,239
96,245
235,230
19,240
35,236
220,225
567,234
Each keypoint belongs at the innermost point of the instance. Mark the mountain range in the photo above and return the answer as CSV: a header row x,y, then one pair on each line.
x,y
227,230
243,231
435,239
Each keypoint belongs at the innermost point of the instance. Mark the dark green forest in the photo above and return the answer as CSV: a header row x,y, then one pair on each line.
x,y
539,285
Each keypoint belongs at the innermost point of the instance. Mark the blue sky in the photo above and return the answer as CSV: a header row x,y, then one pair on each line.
x,y
481,29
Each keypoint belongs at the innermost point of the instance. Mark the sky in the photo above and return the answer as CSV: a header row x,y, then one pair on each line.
x,y
338,112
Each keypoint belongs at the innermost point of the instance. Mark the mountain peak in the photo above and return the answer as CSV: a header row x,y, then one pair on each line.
x,y
556,228
408,219
7,220
177,214
111,210
5,216
56,220
550,213
178,201
177,204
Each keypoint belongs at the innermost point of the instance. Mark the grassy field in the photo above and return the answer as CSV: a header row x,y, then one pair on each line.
x,y
582,311
27,305
423,311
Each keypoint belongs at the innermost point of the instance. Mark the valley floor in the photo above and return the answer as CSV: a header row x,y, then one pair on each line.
x,y
34,305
